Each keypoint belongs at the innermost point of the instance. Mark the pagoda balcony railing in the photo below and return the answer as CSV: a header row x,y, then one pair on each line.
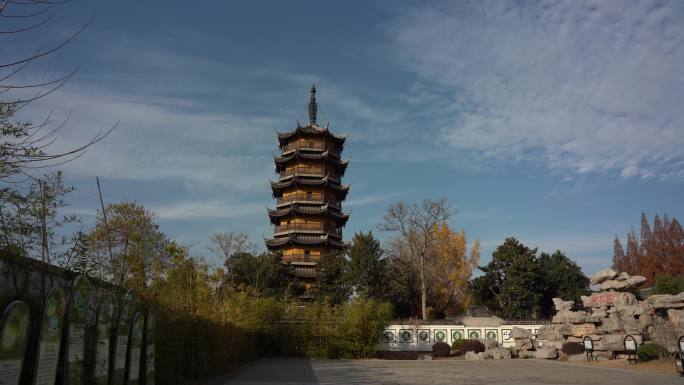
x,y
304,197
300,170
304,146
300,258
308,227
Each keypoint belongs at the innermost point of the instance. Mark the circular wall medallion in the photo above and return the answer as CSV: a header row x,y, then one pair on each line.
x,y
456,335
440,336
491,335
423,336
474,334
9,337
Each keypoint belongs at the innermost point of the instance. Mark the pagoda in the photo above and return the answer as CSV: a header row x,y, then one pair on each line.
x,y
308,217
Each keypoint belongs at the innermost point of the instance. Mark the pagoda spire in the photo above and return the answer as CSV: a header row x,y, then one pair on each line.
x,y
313,107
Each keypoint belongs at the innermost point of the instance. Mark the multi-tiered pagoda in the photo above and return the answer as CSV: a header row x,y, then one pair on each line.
x,y
308,218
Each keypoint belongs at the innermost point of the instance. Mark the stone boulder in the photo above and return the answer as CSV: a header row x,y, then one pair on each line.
x,y
563,329
676,317
546,353
610,324
548,333
666,301
489,344
559,304
520,333
603,275
569,316
645,320
424,357
472,356
622,284
581,330
524,344
609,298
498,354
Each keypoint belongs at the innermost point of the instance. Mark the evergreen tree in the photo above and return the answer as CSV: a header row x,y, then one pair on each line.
x,y
510,281
559,277
366,271
619,258
331,285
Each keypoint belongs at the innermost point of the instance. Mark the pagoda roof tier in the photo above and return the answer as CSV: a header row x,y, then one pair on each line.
x,y
310,129
298,239
331,211
326,181
331,157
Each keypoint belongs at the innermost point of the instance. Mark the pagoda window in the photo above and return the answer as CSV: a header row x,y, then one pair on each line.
x,y
307,255
309,195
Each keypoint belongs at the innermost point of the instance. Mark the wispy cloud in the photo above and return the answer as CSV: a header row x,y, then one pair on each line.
x,y
580,86
212,209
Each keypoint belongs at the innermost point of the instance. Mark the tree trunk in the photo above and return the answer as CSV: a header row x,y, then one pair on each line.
x,y
423,289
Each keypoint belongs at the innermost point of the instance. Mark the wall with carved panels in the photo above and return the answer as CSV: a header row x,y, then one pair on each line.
x,y
398,337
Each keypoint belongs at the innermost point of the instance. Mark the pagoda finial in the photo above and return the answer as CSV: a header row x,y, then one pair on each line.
x,y
313,107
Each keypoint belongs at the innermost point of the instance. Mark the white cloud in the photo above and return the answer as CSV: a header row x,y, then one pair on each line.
x,y
210,209
581,86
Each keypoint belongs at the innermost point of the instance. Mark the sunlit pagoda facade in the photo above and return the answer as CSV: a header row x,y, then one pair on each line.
x,y
308,217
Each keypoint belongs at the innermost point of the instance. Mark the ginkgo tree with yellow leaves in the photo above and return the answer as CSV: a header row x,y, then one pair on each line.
x,y
451,268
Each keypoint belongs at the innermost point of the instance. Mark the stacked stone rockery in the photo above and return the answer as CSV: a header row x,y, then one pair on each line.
x,y
608,316
525,344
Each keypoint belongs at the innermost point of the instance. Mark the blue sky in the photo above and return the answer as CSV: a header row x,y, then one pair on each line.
x,y
554,122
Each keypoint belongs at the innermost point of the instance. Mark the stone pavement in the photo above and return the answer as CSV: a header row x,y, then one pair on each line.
x,y
386,372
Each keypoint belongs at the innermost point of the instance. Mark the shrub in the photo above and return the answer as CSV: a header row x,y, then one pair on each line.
x,y
647,352
668,284
471,346
456,345
441,349
571,348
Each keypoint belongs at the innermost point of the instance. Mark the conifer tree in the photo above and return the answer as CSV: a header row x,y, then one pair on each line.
x,y
619,258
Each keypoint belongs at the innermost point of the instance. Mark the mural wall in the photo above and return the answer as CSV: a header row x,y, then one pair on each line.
x,y
417,338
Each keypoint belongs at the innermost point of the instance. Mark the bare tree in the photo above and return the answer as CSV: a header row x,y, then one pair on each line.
x,y
25,147
414,227
225,245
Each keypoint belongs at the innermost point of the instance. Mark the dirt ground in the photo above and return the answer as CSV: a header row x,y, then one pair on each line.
x,y
404,372
664,366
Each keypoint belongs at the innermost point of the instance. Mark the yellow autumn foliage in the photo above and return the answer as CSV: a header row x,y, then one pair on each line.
x,y
452,267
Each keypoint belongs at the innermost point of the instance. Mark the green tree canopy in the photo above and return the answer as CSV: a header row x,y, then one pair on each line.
x,y
559,277
366,273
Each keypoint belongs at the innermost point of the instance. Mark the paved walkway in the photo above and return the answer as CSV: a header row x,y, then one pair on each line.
x,y
389,372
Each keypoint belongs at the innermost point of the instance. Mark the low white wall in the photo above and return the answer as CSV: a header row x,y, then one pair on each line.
x,y
420,338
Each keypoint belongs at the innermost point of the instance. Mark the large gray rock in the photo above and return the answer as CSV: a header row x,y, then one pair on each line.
x,y
621,284
498,354
520,333
666,301
547,332
645,320
563,329
488,344
630,324
609,298
424,357
569,316
472,356
609,324
524,344
559,304
676,317
546,353
581,330
603,275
